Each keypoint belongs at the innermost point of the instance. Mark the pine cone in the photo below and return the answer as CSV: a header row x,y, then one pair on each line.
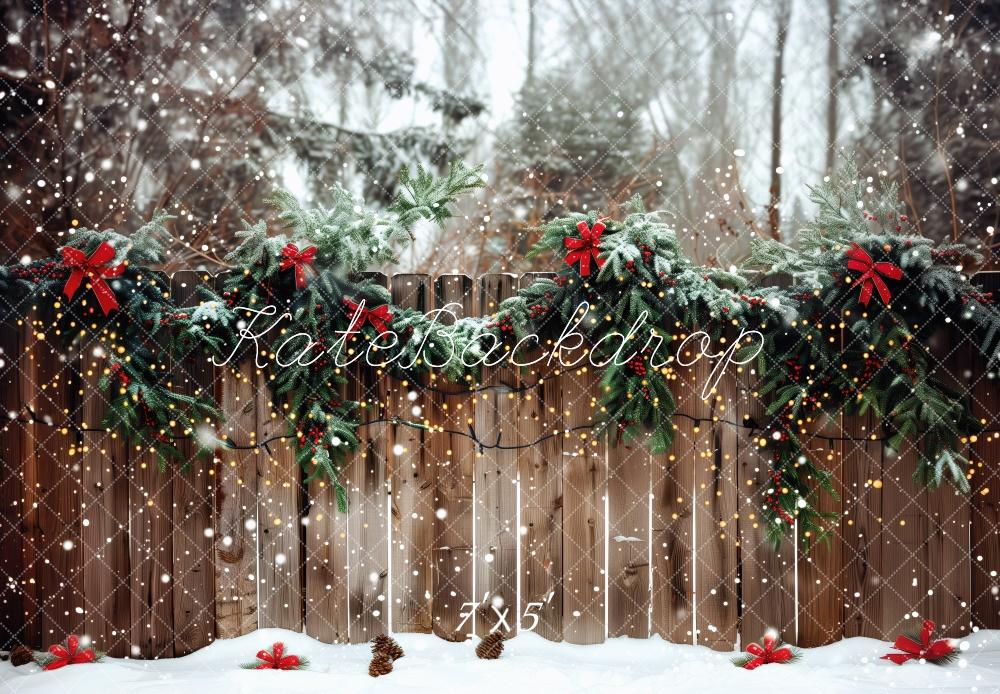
x,y
388,646
490,647
21,655
381,665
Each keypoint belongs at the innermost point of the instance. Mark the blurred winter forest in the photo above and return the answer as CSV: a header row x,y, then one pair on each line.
x,y
720,112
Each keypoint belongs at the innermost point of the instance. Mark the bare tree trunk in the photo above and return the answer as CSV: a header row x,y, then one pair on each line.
x,y
783,16
529,75
833,68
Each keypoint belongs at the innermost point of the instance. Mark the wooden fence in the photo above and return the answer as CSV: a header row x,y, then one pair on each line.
x,y
573,538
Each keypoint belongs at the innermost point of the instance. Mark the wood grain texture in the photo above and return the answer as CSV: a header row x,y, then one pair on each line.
x,y
279,514
236,505
105,519
13,450
585,479
193,490
862,529
413,477
767,573
58,552
540,415
821,598
367,500
985,512
672,485
451,407
628,537
326,565
495,472
716,513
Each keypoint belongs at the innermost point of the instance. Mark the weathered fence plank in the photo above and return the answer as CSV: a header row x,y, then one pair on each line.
x,y
985,512
235,534
767,573
454,456
13,451
628,537
715,504
54,399
367,521
585,477
540,422
496,476
326,562
672,486
193,488
413,477
105,517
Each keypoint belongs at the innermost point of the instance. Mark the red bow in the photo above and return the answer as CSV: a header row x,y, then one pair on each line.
x,y
95,270
582,248
378,317
767,654
69,655
292,257
924,650
274,661
859,260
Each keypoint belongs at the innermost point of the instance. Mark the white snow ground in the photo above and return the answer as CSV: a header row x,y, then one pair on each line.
x,y
529,664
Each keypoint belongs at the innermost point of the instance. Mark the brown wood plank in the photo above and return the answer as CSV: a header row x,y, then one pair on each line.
x,y
862,529
279,504
628,537
54,396
193,488
31,540
540,473
13,452
326,566
672,485
822,575
496,475
584,487
236,504
105,517
716,517
365,479
949,592
767,573
451,409
985,520
413,478
150,532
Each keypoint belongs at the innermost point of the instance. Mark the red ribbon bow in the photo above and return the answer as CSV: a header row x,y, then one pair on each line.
x,y
870,278
378,317
924,650
69,655
587,245
274,659
95,270
767,654
291,256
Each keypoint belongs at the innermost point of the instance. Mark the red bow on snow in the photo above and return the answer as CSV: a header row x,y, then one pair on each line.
x,y
276,660
924,650
69,655
378,317
95,270
582,248
871,277
291,256
767,654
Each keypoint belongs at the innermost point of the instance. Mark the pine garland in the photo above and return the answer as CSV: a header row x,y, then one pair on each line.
x,y
627,271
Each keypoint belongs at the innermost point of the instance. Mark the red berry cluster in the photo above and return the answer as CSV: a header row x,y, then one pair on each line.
x,y
772,498
36,272
753,300
637,365
503,323
647,253
118,371
978,297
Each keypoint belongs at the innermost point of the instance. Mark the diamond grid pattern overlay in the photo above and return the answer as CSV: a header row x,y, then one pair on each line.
x,y
106,549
